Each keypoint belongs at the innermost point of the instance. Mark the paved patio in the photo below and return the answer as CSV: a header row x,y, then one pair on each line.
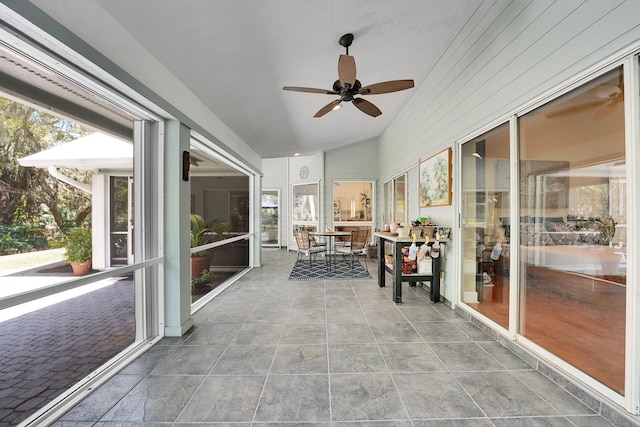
x,y
46,351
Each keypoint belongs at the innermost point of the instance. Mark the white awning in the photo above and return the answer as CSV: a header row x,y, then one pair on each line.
x,y
94,152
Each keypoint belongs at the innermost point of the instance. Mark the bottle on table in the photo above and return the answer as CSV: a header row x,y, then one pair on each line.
x,y
435,249
413,249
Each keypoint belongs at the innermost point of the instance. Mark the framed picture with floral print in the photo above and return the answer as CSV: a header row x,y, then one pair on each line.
x,y
435,180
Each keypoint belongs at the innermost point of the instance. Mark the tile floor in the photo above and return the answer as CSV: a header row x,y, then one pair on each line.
x,y
269,351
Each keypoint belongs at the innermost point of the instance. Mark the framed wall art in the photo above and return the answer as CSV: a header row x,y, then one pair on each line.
x,y
435,180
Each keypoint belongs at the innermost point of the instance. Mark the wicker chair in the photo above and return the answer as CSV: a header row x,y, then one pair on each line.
x,y
306,248
357,246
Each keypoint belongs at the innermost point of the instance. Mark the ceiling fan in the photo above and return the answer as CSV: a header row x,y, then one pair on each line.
x,y
347,87
609,96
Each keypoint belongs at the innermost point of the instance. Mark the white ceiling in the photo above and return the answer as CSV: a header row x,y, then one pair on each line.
x,y
236,55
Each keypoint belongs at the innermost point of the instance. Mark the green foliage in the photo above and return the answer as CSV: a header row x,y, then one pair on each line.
x,y
32,195
203,232
203,279
78,246
18,238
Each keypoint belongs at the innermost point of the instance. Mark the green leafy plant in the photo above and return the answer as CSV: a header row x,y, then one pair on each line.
x,y
203,233
18,238
78,245
204,278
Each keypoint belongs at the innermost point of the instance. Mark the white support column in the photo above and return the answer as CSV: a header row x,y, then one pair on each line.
x,y
177,193
255,181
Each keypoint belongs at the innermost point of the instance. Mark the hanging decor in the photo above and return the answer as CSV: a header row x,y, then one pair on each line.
x,y
435,180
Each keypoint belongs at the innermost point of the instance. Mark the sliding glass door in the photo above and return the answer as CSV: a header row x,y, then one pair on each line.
x,y
554,271
485,224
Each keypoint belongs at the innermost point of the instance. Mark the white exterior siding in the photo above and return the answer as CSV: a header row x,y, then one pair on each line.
x,y
527,51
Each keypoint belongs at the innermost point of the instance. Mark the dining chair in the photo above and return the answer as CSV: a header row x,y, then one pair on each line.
x,y
345,242
306,248
314,241
357,246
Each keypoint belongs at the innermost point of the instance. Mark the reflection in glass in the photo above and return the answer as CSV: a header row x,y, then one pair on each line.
x,y
573,215
485,221
400,192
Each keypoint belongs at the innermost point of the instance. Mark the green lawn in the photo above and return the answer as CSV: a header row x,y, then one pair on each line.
x,y
30,259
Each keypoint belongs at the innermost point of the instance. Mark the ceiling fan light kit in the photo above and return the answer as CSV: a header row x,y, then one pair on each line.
x,y
347,87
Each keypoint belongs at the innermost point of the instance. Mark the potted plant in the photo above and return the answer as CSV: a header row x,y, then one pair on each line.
x,y
203,233
78,250
201,283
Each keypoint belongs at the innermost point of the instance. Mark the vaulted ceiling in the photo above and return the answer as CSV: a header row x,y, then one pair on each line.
x,y
236,55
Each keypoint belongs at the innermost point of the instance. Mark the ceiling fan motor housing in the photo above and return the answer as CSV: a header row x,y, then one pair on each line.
x,y
346,94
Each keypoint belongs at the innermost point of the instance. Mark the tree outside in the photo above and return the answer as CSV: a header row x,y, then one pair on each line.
x,y
34,206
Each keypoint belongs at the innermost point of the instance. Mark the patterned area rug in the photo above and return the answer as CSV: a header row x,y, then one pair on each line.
x,y
340,270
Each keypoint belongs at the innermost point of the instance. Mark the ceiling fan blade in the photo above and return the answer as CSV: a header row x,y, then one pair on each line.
x,y
366,107
310,90
573,109
327,108
347,70
386,87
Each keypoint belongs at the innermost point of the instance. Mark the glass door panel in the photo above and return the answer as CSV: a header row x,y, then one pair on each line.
x,y
573,216
305,212
270,230
485,224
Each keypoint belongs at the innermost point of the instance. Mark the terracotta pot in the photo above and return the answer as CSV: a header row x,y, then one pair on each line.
x,y
81,269
199,264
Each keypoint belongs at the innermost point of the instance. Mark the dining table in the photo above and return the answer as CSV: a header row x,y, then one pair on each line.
x,y
330,237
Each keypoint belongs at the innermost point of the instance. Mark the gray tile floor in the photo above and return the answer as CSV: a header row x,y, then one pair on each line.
x,y
269,351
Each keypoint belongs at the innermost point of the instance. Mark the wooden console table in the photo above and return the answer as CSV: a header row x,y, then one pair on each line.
x,y
396,271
